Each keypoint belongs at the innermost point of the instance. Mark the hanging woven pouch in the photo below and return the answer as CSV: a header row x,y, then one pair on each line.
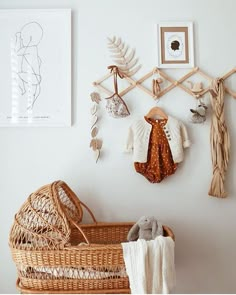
x,y
116,107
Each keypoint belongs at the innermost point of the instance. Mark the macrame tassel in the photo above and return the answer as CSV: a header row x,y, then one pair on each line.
x,y
219,139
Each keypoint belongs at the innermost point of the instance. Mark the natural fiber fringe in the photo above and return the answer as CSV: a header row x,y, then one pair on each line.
x,y
217,186
219,140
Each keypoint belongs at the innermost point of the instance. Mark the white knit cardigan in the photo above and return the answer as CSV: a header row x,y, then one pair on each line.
x,y
139,134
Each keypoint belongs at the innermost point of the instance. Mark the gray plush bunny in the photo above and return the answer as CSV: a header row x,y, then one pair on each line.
x,y
147,228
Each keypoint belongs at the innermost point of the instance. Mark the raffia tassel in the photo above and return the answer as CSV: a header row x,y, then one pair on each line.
x,y
220,141
217,185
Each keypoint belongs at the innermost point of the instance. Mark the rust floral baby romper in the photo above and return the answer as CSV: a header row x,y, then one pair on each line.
x,y
159,163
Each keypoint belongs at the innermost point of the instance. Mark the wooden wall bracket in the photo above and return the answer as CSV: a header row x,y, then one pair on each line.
x,y
173,83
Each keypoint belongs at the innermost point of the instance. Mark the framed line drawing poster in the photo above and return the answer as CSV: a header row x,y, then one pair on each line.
x,y
35,72
175,45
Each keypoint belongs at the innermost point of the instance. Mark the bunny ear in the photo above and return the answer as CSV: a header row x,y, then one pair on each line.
x,y
154,228
157,229
133,233
193,111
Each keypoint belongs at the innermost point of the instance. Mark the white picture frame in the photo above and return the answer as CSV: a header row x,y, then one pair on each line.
x,y
175,45
35,72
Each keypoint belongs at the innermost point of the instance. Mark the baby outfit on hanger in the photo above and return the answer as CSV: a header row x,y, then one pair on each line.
x,y
159,163
157,146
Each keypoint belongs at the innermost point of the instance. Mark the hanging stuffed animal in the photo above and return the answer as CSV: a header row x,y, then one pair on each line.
x,y
199,114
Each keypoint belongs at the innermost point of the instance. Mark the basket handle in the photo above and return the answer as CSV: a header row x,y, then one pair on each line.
x,y
79,228
81,231
89,211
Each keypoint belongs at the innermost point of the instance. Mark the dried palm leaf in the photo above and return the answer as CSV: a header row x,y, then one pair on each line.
x,y
130,56
119,51
126,68
123,57
135,70
121,54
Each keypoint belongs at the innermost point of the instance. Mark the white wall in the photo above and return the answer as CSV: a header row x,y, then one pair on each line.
x,y
31,157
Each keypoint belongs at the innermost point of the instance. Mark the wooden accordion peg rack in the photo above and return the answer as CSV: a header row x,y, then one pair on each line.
x,y
172,83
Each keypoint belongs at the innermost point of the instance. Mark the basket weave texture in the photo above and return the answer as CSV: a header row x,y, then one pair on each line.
x,y
55,253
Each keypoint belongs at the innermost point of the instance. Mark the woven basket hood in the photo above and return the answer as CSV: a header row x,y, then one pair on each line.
x,y
45,220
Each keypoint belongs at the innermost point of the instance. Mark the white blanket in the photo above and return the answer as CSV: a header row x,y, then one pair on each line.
x,y
150,265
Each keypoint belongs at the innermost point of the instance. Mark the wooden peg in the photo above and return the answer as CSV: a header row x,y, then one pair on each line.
x,y
227,75
155,70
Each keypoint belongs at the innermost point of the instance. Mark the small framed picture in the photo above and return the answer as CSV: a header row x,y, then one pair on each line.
x,y
175,45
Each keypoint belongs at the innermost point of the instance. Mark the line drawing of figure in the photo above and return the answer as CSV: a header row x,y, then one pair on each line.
x,y
28,60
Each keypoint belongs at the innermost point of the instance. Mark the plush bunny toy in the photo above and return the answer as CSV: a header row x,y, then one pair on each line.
x,y
146,228
199,114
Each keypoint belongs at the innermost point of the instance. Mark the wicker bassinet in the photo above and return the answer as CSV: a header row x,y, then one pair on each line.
x,y
55,253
